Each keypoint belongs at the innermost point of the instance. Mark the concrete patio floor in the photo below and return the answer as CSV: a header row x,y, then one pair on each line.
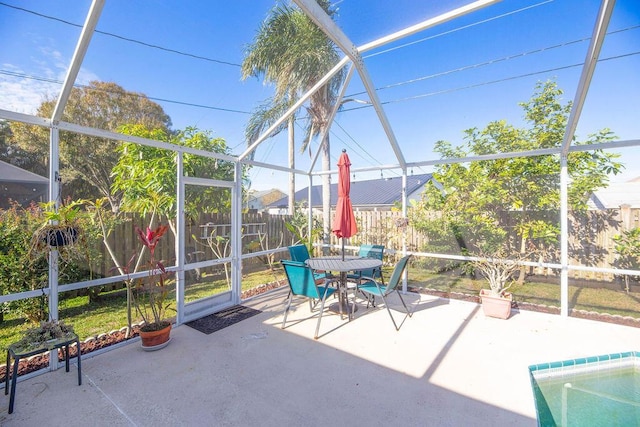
x,y
448,366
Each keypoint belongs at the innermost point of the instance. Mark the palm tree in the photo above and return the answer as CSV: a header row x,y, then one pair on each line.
x,y
292,53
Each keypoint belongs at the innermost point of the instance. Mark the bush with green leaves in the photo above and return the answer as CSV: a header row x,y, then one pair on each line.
x,y
298,225
627,247
509,206
25,269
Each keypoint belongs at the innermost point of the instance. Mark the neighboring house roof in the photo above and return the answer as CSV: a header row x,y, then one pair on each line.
x,y
617,194
259,199
21,185
371,193
11,173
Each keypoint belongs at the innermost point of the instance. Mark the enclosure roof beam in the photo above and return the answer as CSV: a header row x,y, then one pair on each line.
x,y
294,107
274,167
78,56
531,153
25,118
485,157
432,22
597,38
326,24
339,101
142,141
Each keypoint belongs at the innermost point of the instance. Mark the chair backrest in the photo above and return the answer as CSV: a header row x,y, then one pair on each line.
x,y
300,278
299,253
397,274
371,251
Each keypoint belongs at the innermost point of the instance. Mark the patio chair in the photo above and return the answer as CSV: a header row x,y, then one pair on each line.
x,y
300,253
372,289
303,283
369,251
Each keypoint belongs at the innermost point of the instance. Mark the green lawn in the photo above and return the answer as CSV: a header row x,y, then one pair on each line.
x,y
107,313
601,300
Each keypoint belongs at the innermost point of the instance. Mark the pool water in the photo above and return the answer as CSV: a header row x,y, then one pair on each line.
x,y
594,391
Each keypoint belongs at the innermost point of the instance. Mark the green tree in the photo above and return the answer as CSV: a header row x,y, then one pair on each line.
x,y
146,176
86,161
5,134
292,53
627,247
510,206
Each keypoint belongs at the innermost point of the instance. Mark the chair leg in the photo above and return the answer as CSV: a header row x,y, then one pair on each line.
x,y
403,303
389,311
315,337
286,310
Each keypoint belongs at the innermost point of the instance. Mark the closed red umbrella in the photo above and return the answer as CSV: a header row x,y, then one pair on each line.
x,y
344,223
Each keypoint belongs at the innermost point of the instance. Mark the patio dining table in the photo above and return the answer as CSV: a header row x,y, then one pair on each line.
x,y
343,265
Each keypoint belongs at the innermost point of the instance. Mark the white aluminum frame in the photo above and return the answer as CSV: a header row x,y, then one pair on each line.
x,y
353,57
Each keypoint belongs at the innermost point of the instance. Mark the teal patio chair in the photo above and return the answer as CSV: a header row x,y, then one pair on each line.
x,y
300,253
372,289
303,283
369,251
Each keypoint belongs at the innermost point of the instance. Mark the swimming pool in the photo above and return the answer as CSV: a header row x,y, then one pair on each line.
x,y
591,391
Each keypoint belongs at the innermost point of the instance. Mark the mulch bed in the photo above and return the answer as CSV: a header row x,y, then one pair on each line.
x,y
105,340
582,314
41,361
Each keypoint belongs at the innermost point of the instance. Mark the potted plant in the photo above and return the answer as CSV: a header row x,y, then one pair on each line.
x,y
149,294
47,332
498,270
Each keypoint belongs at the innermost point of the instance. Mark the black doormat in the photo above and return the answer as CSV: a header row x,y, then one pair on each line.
x,y
216,321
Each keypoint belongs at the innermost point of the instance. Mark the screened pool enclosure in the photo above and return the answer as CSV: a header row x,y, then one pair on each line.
x,y
405,78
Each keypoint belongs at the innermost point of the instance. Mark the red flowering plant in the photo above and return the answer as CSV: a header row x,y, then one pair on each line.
x,y
149,293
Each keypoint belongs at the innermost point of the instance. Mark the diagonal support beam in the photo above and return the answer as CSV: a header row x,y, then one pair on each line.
x,y
326,24
339,101
431,22
78,56
294,107
597,39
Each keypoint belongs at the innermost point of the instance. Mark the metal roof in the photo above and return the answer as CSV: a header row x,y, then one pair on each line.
x,y
374,192
21,186
11,173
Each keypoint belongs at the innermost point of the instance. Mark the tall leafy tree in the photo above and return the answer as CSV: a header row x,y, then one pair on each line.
x,y
86,161
510,206
292,53
5,133
146,176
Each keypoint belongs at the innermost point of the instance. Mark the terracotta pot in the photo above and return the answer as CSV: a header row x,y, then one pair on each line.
x,y
155,339
496,306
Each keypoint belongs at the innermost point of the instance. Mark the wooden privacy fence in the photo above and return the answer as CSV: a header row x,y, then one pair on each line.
x,y
590,237
590,242
257,227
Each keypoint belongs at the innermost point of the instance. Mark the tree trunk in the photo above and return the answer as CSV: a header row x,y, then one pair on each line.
x,y
292,165
523,268
326,194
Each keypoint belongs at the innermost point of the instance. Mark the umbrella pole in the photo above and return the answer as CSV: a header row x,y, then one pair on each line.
x,y
343,248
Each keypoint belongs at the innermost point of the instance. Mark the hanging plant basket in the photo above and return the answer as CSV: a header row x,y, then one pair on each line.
x,y
60,236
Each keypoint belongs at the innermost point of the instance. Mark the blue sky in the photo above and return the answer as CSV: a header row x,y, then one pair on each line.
x,y
472,82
